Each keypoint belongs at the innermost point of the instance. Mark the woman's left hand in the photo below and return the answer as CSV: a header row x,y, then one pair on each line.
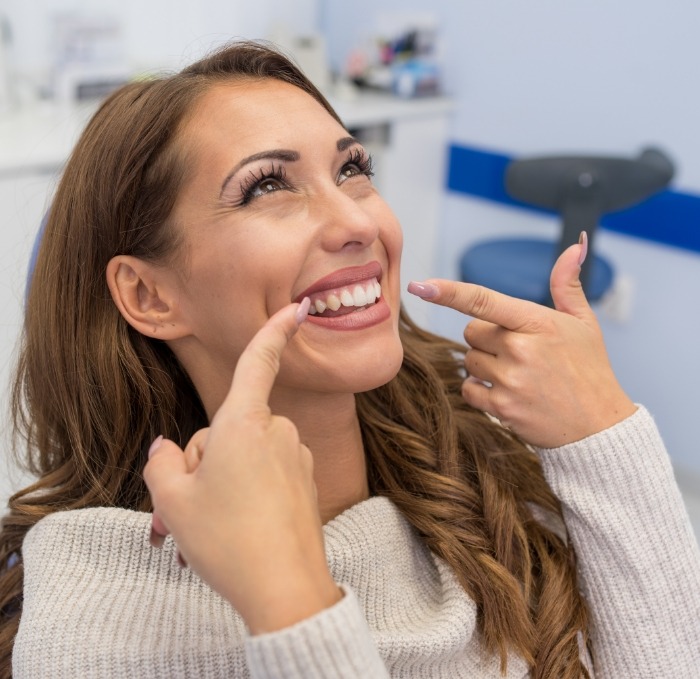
x,y
549,377
240,500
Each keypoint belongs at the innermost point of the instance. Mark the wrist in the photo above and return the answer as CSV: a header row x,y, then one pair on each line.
x,y
604,416
290,602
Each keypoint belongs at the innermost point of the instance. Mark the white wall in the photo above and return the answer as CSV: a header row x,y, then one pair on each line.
x,y
157,33
547,76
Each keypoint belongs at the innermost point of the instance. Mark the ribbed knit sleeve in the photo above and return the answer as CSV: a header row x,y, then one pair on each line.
x,y
333,644
638,561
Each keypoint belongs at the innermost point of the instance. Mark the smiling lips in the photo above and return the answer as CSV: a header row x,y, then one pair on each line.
x,y
338,299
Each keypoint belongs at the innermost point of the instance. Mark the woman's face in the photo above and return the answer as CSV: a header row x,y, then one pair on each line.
x,y
278,205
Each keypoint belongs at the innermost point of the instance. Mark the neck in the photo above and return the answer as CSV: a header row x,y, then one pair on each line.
x,y
329,427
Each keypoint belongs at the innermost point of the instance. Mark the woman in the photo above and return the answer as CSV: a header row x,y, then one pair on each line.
x,y
216,255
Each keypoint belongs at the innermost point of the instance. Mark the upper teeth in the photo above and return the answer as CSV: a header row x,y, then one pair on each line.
x,y
360,294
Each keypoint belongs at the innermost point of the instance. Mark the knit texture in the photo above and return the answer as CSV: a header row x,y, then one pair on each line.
x,y
100,602
639,563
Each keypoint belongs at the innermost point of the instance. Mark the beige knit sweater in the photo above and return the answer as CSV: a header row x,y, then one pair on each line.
x,y
100,602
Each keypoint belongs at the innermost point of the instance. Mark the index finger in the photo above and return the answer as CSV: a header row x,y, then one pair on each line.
x,y
480,302
259,363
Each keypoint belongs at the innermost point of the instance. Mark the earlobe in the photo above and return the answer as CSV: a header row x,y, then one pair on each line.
x,y
143,295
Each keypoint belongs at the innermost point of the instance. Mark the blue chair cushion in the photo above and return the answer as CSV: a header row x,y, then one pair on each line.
x,y
520,267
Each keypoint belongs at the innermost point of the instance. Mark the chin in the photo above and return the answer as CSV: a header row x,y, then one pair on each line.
x,y
370,372
349,371
377,378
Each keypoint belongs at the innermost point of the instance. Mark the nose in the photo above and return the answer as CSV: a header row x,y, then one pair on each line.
x,y
345,222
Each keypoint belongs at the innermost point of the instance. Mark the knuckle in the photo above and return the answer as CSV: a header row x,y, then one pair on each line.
x,y
197,443
541,323
269,357
481,302
517,345
307,459
471,332
286,428
471,361
511,379
501,404
451,296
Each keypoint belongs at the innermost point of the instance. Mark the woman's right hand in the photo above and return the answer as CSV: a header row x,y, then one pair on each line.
x,y
544,373
241,502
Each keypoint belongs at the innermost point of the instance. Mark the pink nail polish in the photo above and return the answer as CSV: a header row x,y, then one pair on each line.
x,y
423,290
303,310
154,446
156,539
583,242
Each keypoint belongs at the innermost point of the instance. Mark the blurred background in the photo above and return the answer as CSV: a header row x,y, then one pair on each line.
x,y
445,95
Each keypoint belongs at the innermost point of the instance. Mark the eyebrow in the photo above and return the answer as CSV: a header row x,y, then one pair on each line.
x,y
273,154
346,143
280,154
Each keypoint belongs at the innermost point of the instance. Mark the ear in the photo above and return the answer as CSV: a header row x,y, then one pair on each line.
x,y
145,295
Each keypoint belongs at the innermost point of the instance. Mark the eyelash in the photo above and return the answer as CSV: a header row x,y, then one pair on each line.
x,y
363,161
253,181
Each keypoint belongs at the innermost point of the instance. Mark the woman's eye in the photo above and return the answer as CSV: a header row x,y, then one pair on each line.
x,y
358,163
262,183
267,186
350,171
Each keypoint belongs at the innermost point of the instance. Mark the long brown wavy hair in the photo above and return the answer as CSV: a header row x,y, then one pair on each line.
x,y
91,393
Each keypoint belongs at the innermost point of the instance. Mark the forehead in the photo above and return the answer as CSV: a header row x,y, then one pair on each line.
x,y
255,112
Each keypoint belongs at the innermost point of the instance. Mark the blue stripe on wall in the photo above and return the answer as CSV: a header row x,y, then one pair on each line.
x,y
669,217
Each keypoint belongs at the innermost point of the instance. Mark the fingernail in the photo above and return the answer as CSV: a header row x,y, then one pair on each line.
x,y
154,446
423,290
156,539
303,310
583,242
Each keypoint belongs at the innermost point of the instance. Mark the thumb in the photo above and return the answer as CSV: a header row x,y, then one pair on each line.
x,y
567,292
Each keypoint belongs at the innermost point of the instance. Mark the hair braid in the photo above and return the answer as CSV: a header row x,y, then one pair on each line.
x,y
467,485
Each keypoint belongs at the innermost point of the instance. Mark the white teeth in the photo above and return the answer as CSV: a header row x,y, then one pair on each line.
x,y
333,302
360,296
357,296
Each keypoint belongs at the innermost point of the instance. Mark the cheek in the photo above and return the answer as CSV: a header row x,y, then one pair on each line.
x,y
397,243
392,239
390,231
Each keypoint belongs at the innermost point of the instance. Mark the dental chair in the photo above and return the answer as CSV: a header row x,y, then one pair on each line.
x,y
581,189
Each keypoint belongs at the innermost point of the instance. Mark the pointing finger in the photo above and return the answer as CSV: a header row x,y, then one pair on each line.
x,y
259,363
479,302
